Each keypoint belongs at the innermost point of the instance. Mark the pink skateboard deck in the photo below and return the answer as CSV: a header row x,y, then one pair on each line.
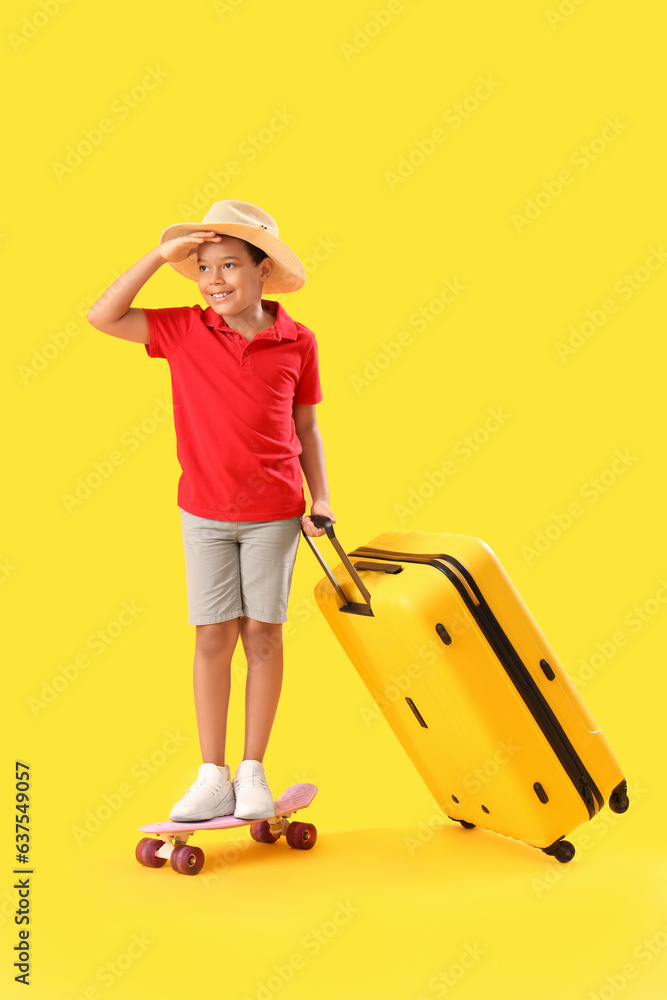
x,y
153,852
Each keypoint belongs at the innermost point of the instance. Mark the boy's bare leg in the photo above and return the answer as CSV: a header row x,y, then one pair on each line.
x,y
263,646
214,648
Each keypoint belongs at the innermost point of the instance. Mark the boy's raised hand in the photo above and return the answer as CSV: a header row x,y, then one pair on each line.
x,y
179,249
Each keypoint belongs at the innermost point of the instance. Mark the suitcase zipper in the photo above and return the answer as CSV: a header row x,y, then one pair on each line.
x,y
517,671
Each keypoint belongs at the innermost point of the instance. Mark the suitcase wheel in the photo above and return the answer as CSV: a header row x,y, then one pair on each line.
x,y
618,800
565,852
562,851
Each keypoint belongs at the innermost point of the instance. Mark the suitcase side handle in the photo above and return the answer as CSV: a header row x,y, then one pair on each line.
x,y
322,521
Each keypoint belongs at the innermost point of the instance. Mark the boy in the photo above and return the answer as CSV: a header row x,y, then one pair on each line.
x,y
245,383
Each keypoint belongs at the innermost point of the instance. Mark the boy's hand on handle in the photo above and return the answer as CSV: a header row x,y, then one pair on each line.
x,y
319,507
179,249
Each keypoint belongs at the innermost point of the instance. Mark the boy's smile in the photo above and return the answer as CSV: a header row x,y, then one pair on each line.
x,y
232,283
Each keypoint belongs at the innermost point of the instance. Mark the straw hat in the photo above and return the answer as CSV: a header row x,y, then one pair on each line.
x,y
246,222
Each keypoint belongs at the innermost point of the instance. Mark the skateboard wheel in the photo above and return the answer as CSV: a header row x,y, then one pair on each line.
x,y
302,836
187,860
146,850
260,832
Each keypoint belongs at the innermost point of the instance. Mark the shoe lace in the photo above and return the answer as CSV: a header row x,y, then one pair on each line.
x,y
255,778
199,782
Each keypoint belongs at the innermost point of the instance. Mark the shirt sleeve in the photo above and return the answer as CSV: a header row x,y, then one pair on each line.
x,y
308,389
166,329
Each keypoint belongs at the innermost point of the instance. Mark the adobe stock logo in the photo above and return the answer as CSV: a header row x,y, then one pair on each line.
x,y
420,319
581,158
464,449
625,288
33,24
566,9
222,8
247,150
440,984
453,117
379,19
592,491
103,469
635,621
121,107
644,953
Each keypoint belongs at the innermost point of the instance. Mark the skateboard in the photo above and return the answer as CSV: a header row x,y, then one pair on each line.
x,y
153,852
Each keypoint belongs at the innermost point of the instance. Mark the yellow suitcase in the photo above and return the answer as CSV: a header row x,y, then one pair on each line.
x,y
469,684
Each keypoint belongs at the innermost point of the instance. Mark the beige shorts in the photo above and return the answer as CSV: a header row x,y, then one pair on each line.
x,y
237,568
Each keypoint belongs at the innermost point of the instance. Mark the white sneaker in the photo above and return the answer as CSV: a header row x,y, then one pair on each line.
x,y
209,796
253,798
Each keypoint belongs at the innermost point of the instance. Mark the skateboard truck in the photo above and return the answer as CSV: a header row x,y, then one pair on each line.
x,y
171,842
277,825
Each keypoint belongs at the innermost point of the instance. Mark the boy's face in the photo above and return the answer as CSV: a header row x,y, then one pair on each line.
x,y
228,279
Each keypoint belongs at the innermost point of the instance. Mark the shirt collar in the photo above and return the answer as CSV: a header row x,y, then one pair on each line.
x,y
284,327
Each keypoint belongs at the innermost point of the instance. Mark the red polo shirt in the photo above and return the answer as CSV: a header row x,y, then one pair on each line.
x,y
235,436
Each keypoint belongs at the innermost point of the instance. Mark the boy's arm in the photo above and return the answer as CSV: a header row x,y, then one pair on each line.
x,y
112,313
312,464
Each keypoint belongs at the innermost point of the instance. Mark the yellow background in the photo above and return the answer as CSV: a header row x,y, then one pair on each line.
x,y
397,897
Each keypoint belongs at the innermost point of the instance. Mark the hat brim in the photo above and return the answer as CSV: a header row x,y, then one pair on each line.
x,y
288,273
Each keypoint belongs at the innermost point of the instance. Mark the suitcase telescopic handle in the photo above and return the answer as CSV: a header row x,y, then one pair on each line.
x,y
322,521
